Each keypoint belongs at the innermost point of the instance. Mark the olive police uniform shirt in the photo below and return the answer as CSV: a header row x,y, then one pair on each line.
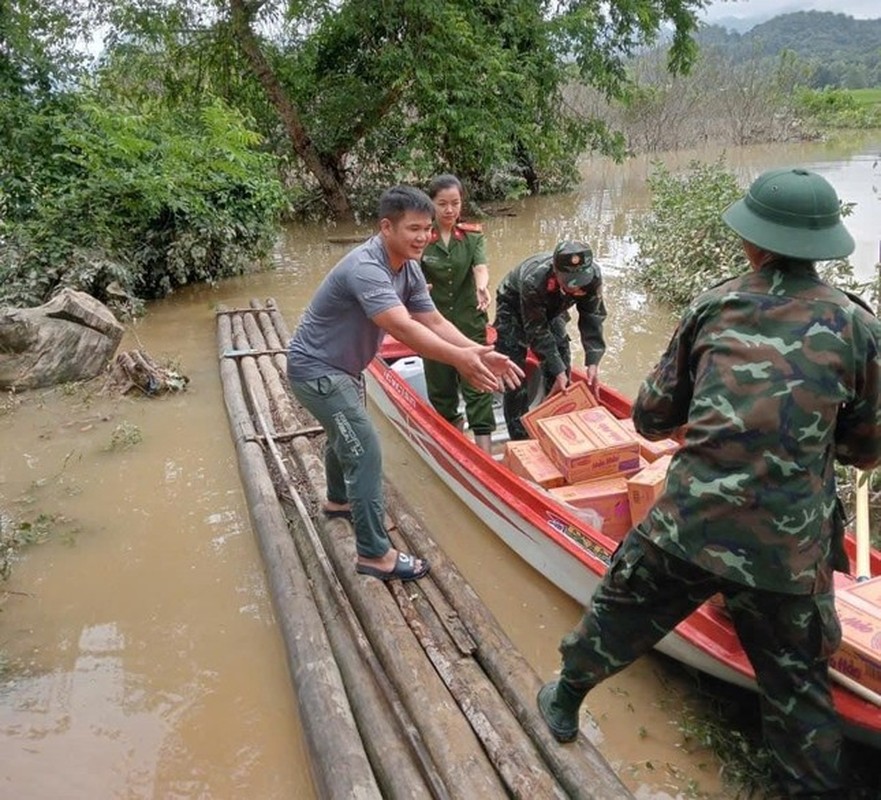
x,y
449,268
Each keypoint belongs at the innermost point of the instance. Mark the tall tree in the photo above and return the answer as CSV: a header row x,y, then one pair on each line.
x,y
368,92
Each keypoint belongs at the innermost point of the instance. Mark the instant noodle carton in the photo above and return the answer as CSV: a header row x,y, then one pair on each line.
x,y
588,444
607,497
572,398
649,450
859,611
646,486
526,459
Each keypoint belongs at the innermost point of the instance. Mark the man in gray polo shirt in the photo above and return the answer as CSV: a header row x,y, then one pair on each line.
x,y
377,288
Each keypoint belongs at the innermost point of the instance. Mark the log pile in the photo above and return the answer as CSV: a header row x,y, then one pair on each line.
x,y
405,690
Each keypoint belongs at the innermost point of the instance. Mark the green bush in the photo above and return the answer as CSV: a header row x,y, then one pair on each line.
x,y
836,108
148,199
684,247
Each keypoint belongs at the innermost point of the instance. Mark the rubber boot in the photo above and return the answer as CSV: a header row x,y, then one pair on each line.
x,y
559,704
484,441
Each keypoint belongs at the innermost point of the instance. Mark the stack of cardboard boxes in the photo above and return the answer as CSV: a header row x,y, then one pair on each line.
x,y
859,611
586,457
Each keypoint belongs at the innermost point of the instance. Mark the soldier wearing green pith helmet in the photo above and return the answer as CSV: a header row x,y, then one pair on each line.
x,y
771,377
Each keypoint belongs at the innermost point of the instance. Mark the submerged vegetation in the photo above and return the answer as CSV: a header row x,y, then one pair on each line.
x,y
685,248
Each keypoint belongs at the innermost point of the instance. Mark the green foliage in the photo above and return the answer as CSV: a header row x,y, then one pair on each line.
x,y
147,198
838,108
684,247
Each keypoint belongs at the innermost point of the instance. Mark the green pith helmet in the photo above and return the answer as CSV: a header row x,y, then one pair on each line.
x,y
794,213
573,263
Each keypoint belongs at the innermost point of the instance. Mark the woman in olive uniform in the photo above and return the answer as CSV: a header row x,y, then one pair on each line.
x,y
454,264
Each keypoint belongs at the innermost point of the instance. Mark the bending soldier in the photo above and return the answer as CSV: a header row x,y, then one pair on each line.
x,y
532,309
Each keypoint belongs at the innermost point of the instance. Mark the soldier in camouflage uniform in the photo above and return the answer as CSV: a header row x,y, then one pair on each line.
x,y
772,375
532,304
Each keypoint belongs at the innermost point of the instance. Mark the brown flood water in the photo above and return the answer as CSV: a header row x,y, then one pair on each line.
x,y
144,660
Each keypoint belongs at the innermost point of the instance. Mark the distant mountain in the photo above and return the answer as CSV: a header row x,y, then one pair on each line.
x,y
739,24
841,50
742,17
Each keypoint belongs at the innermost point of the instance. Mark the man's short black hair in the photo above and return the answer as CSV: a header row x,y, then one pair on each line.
x,y
398,200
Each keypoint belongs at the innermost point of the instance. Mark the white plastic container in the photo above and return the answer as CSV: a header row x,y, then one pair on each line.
x,y
412,371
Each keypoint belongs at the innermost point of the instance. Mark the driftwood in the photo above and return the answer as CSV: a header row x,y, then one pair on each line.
x,y
135,370
426,670
70,338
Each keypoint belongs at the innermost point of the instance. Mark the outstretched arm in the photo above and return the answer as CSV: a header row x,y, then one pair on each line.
x,y
441,341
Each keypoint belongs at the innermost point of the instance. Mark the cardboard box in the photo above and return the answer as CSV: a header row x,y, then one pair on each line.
x,y
649,450
646,486
859,611
602,447
572,398
606,497
526,459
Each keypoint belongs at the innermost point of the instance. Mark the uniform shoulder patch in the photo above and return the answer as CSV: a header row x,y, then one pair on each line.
x,y
720,282
470,227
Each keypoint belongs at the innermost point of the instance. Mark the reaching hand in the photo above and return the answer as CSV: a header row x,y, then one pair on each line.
x,y
476,371
483,298
592,378
488,370
560,383
502,366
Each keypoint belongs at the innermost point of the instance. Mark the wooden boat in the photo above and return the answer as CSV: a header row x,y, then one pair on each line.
x,y
562,546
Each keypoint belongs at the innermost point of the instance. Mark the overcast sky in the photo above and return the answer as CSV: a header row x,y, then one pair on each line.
x,y
861,9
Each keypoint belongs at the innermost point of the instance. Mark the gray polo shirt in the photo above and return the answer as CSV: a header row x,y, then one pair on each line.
x,y
337,333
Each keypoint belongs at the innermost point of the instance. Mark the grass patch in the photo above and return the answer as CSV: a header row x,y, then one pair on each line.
x,y
728,722
867,98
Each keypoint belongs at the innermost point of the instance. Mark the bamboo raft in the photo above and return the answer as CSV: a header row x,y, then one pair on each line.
x,y
405,690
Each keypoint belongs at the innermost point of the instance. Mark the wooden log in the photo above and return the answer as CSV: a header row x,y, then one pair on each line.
x,y
579,766
327,720
509,748
458,753
403,764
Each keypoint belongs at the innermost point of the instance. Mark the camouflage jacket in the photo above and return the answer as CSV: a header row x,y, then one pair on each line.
x,y
529,297
774,374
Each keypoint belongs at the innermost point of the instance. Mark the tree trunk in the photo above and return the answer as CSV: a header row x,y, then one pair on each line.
x,y
327,174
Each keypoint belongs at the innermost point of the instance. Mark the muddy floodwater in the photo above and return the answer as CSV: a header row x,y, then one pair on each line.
x,y
142,658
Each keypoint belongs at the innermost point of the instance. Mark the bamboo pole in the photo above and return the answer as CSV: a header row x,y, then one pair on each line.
x,y
862,533
327,720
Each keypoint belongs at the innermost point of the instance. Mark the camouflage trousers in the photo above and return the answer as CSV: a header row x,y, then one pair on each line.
x,y
511,342
788,639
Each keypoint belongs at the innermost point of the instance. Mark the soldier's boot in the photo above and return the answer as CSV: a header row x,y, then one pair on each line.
x,y
558,703
484,441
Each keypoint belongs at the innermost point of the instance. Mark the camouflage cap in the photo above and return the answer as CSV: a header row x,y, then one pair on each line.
x,y
792,212
573,263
